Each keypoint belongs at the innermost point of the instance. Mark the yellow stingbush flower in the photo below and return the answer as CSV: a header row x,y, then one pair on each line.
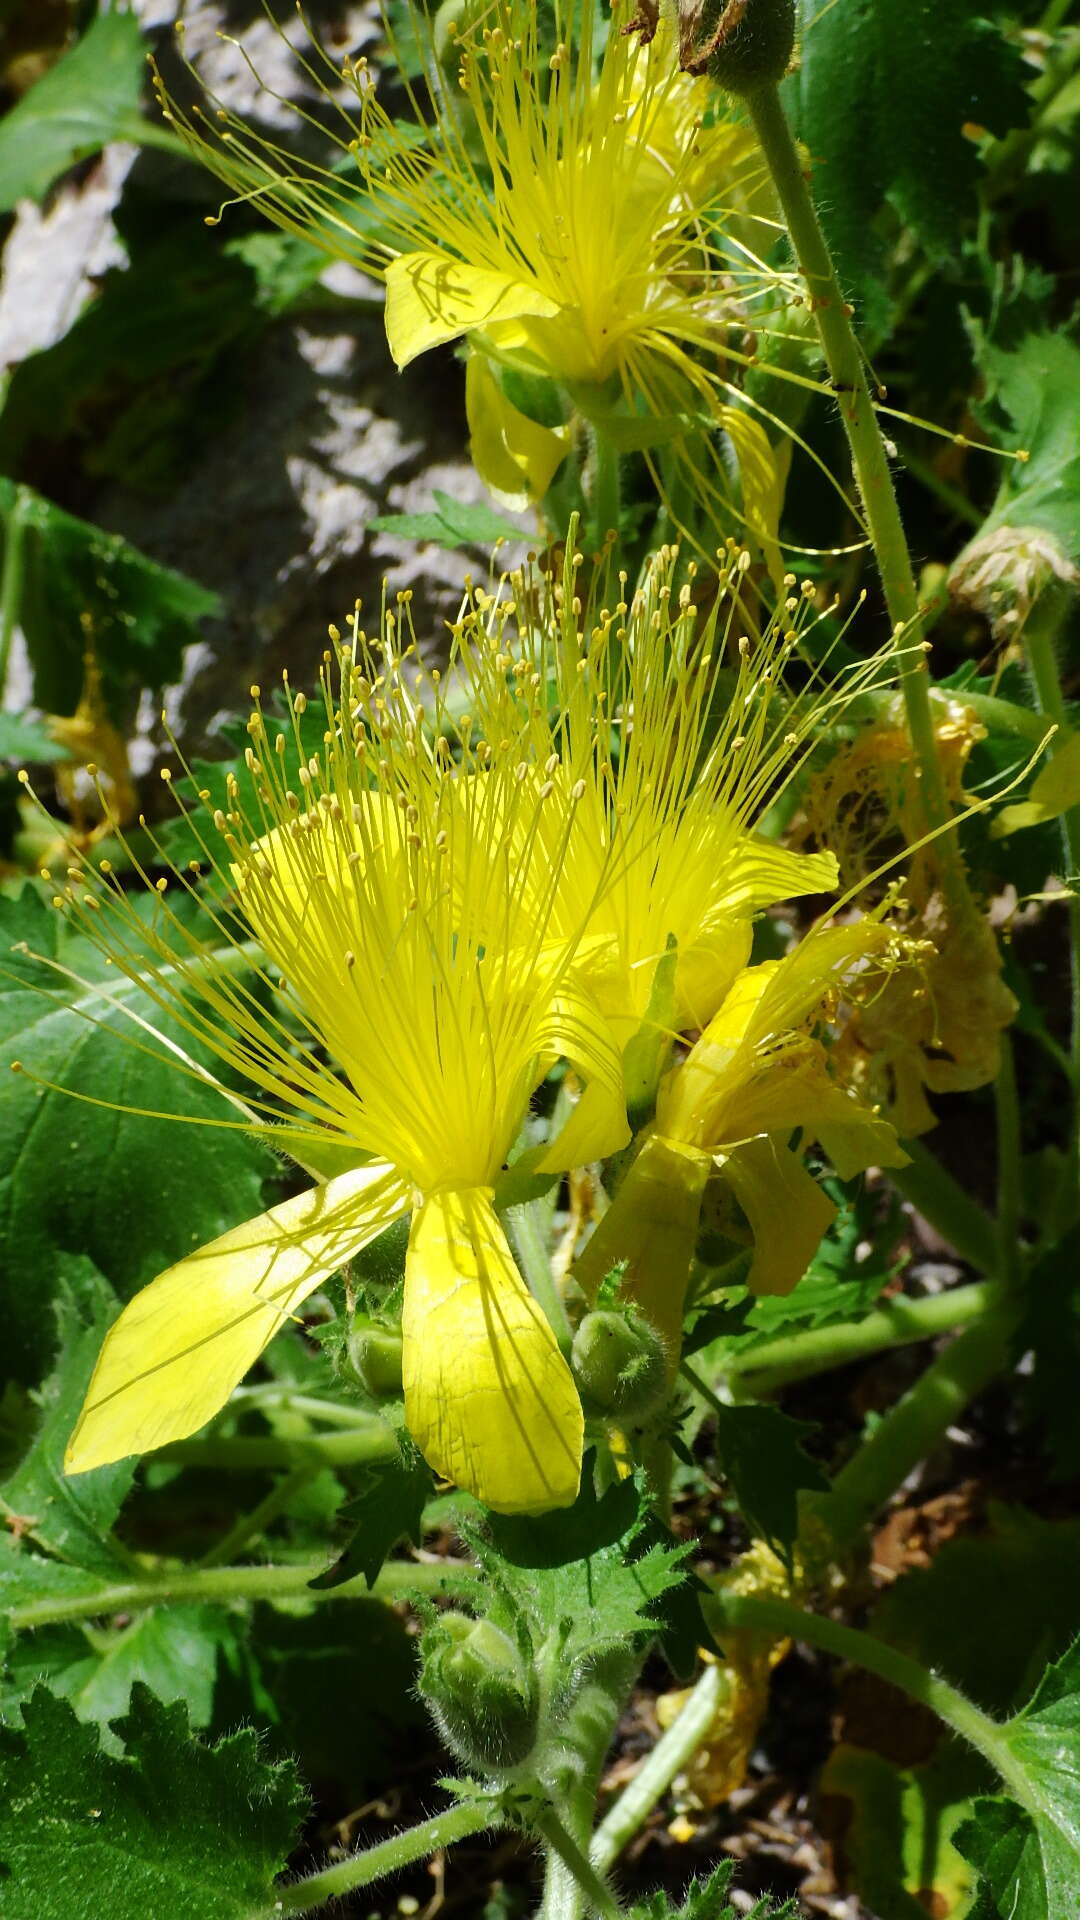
x,y
662,863
756,1075
560,214
381,878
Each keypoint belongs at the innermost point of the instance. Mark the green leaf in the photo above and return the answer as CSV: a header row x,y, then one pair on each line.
x,y
856,1260
884,92
81,584
707,1900
172,1827
760,1451
895,1824
1031,402
90,97
70,1518
453,525
1051,1332
131,1193
172,1650
389,1506
611,1595
1029,1854
28,1578
23,739
969,1614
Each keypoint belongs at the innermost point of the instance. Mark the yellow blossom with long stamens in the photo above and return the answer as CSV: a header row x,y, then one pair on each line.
x,y
587,214
681,732
757,1075
381,878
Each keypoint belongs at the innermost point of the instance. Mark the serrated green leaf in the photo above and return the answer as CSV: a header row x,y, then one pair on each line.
x,y
23,739
1028,1850
90,97
388,1507
707,1900
172,1650
172,1827
132,1193
79,583
760,1452
70,1518
455,524
884,94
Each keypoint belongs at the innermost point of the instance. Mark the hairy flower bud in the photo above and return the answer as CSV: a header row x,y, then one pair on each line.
x,y
375,1356
741,44
480,1691
619,1363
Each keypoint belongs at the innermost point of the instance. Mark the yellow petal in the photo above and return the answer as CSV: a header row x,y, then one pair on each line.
x,y
512,454
575,1029
787,1211
1054,791
431,298
652,1226
758,873
489,1399
180,1347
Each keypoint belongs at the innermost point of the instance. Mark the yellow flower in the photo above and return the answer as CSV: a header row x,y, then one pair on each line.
x,y
660,861
756,1076
563,215
380,877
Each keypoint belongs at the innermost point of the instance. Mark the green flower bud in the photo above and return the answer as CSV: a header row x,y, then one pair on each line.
x,y
741,44
619,1363
375,1356
480,1691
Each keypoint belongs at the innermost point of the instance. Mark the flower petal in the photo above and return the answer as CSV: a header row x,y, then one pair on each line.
x,y
513,454
489,1399
652,1226
179,1348
575,1029
431,297
758,873
787,1211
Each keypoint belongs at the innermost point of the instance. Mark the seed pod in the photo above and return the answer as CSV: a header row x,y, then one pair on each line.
x,y
619,1363
741,44
480,1691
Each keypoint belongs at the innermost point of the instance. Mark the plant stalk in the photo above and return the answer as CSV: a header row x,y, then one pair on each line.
x,y
951,1212
374,1863
224,1585
780,1617
667,1760
898,1323
848,375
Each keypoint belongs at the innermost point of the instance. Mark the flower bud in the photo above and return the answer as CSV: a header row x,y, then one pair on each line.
x,y
741,44
619,1363
480,1691
375,1356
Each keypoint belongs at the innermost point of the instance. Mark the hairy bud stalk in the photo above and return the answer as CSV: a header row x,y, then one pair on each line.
x,y
741,44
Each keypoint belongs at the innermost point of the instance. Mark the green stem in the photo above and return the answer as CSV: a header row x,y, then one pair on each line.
x,y
527,1226
578,1865
668,1758
869,458
780,1617
223,1585
360,1869
914,1427
1007,1109
252,1526
1042,631
353,1447
571,1774
948,1209
899,1323
11,579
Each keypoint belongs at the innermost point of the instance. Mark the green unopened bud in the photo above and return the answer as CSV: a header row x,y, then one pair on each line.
x,y
619,1363
741,44
480,1691
375,1356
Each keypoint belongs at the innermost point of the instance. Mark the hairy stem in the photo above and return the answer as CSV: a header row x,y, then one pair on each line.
x,y
869,458
354,1446
898,1323
374,1863
782,1618
668,1758
948,1209
227,1584
598,1896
